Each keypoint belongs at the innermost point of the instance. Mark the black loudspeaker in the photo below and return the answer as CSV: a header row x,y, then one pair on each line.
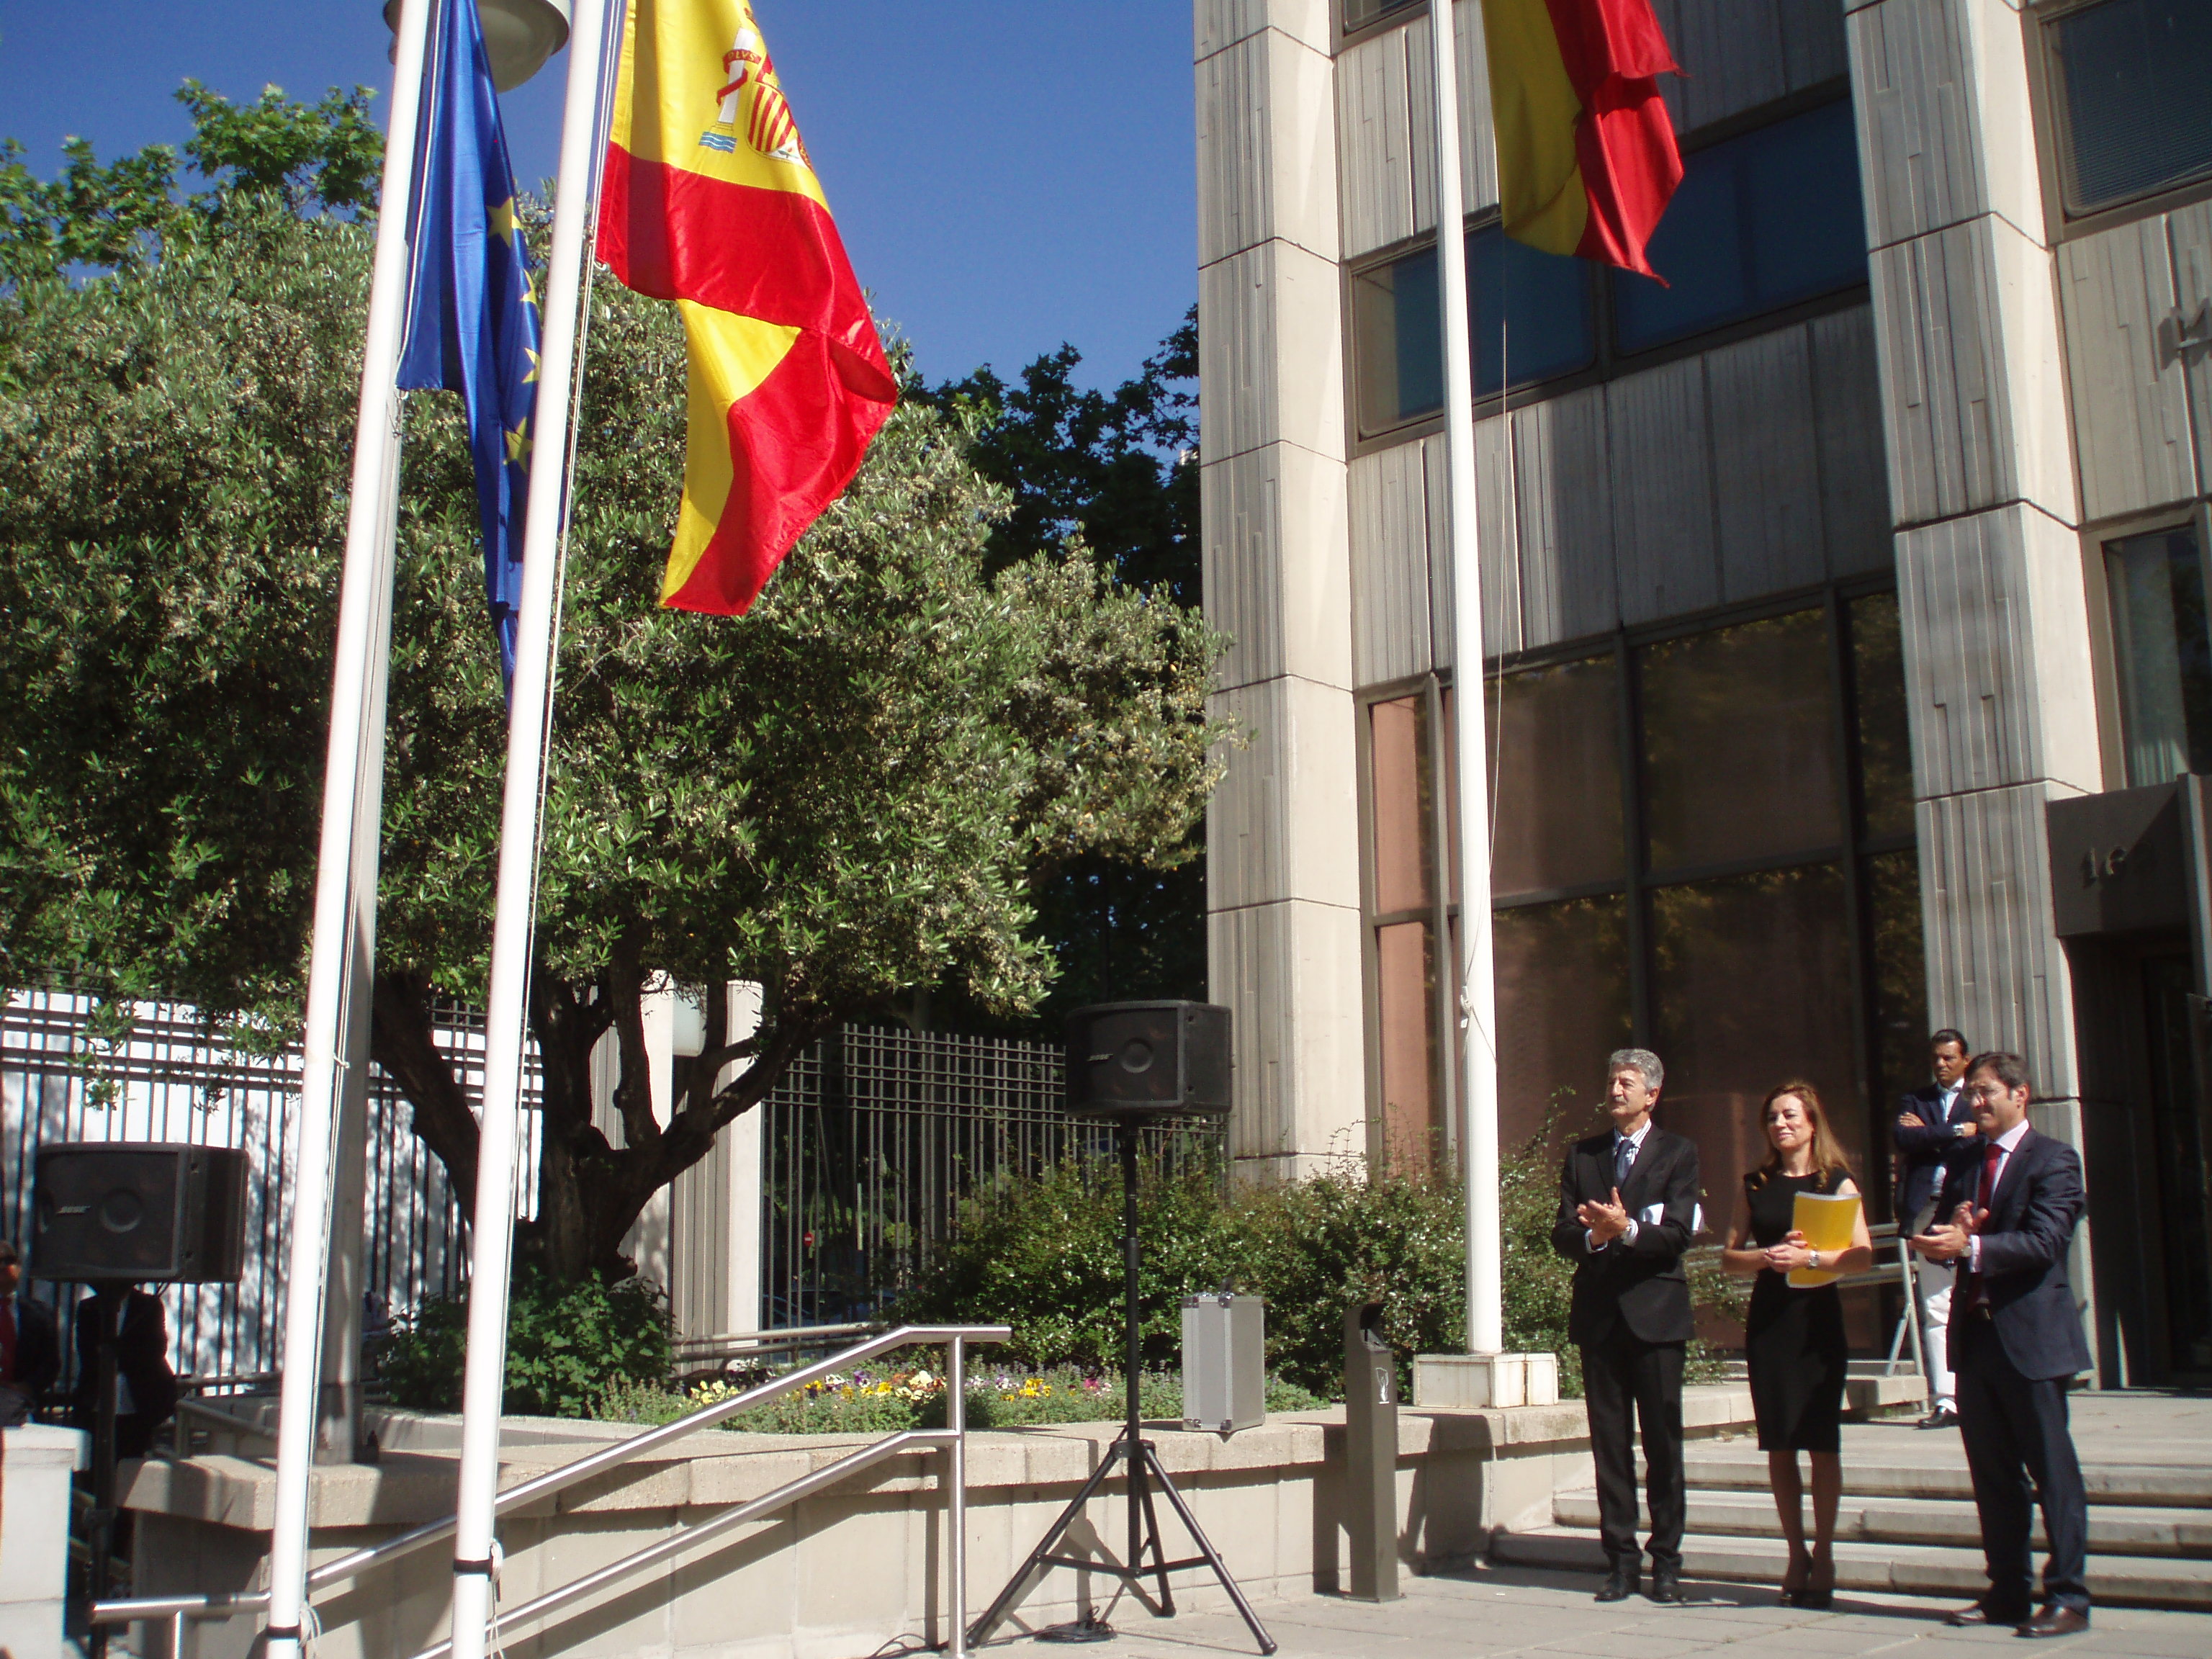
x,y
1148,1059
140,1212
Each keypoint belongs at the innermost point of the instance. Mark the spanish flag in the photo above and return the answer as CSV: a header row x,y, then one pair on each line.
x,y
709,200
1586,157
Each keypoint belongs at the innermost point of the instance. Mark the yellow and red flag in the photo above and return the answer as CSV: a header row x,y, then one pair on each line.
x,y
709,200
1586,156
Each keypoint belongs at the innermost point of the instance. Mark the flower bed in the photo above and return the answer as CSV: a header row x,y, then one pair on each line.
x,y
882,1400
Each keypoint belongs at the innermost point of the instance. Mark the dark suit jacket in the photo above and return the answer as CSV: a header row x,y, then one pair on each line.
x,y
1929,1148
142,1357
1642,1284
38,1349
2032,1214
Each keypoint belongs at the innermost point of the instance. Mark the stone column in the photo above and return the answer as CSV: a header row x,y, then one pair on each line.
x,y
1282,835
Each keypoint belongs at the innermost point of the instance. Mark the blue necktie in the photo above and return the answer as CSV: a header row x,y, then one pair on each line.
x,y
1624,1155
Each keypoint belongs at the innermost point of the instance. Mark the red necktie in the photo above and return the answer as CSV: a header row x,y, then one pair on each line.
x,y
1977,1292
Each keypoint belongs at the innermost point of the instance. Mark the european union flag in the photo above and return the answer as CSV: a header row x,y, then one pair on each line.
x,y
472,302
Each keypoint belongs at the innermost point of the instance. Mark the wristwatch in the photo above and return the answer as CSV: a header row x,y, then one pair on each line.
x,y
1814,1264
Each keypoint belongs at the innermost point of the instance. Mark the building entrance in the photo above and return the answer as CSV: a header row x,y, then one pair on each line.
x,y
2178,1118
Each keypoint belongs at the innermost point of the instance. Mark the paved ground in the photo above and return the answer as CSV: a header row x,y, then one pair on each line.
x,y
1551,1616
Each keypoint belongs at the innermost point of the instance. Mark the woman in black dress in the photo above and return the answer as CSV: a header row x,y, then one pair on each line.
x,y
1794,1339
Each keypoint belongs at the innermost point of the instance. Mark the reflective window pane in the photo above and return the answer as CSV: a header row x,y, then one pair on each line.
x,y
2156,585
1738,743
1751,988
1759,222
1884,732
1397,343
1562,1008
2135,84
1398,752
1405,1004
1359,13
1555,757
1528,312
1892,883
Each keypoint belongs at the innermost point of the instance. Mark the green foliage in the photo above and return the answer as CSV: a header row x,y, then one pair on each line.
x,y
852,794
567,1345
883,1401
1114,476
303,156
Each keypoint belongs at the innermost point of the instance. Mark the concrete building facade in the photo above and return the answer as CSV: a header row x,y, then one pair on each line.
x,y
1816,586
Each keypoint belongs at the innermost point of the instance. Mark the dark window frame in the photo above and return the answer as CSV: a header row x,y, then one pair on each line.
x,y
2104,665
1343,35
2061,223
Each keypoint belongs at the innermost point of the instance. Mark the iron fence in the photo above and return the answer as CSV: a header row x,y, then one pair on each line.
x,y
873,1138
171,1079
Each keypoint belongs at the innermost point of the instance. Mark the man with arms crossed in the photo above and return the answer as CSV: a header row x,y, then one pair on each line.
x,y
2015,1342
1935,1124
1628,1207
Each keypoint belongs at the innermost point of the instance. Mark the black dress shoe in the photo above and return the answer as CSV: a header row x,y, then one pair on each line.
x,y
2054,1621
1941,1418
1667,1586
1977,1615
1620,1584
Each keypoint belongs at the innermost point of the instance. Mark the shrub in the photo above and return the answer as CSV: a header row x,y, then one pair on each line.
x,y
883,1401
566,1344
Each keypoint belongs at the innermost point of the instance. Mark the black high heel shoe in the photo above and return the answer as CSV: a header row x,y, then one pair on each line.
x,y
1817,1596
1801,1569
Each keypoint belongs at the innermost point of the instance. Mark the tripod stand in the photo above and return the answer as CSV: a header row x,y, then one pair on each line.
x,y
1131,1449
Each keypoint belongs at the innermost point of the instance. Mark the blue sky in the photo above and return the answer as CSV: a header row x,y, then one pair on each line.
x,y
1006,176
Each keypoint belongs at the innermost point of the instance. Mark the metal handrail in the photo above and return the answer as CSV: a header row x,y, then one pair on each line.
x,y
178,1609
731,1343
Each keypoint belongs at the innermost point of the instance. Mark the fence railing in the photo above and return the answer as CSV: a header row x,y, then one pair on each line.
x,y
873,1138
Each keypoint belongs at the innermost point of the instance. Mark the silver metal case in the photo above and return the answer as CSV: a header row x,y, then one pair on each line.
x,y
1225,1361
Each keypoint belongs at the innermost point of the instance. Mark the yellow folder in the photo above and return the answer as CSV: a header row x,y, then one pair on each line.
x,y
1828,1221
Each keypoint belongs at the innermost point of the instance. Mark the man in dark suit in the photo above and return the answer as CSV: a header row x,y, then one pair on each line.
x,y
1935,1124
1628,1207
2015,1342
30,1347
146,1388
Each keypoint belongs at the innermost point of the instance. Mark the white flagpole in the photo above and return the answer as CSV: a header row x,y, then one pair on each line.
x,y
492,1238
1486,1300
343,949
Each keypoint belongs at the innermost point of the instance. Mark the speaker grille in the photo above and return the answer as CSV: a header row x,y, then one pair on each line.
x,y
140,1212
1148,1058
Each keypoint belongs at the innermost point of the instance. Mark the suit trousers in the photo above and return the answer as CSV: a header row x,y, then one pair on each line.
x,y
1935,1280
2019,1448
1622,1374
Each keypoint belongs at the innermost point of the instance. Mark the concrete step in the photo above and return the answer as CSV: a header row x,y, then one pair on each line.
x,y
2119,1581
1738,1467
2113,1529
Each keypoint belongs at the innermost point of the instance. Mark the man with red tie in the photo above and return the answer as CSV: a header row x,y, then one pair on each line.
x,y
2016,1342
30,1351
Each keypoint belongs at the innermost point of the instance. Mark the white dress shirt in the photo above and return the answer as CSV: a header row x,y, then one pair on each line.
x,y
1589,1235
2006,1144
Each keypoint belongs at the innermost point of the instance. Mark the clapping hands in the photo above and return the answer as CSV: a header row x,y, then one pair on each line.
x,y
1949,1242
1606,1222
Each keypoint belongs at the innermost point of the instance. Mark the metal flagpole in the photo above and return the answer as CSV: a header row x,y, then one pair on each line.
x,y
1485,1303
492,1238
343,945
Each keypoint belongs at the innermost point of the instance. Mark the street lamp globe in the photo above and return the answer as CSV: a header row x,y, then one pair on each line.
x,y
519,35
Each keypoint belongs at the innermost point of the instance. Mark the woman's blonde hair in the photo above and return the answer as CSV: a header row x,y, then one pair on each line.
x,y
1827,1152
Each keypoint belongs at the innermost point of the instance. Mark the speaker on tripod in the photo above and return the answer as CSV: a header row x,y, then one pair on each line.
x,y
115,1215
1131,1064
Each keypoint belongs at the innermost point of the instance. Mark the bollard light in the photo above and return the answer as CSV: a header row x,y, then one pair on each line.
x,y
519,35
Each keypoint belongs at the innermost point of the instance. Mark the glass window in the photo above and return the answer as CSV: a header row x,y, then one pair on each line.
x,y
1562,1008
1751,980
2157,584
1357,14
1398,732
1397,341
1738,743
1759,222
1891,884
1555,755
2133,80
1885,735
1404,997
1528,316
1528,312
